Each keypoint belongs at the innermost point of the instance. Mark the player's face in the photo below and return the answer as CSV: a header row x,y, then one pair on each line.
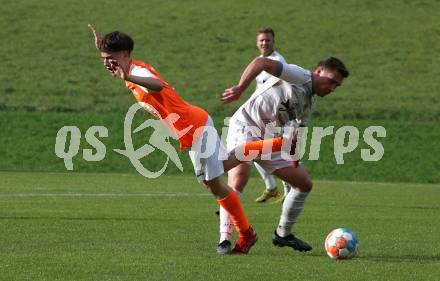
x,y
120,57
327,81
265,43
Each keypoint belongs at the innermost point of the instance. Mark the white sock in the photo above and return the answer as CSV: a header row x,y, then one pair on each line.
x,y
270,183
268,178
292,207
226,226
286,188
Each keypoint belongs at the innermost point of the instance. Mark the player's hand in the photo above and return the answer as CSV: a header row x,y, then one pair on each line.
x,y
116,70
231,94
295,147
96,35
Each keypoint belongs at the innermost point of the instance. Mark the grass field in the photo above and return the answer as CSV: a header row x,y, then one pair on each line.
x,y
202,47
57,226
104,222
53,77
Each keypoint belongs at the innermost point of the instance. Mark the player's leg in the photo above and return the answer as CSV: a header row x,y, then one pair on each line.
x,y
231,203
286,188
209,169
237,179
271,190
238,175
250,149
293,204
240,146
223,194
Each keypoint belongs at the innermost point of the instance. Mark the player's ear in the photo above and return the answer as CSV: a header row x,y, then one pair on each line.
x,y
318,70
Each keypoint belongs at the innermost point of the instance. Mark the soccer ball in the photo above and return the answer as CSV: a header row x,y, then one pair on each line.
x,y
341,243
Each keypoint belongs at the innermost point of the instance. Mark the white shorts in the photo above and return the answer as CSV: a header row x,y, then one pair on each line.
x,y
207,153
237,135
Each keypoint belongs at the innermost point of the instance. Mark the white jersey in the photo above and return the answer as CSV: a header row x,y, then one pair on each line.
x,y
281,103
263,76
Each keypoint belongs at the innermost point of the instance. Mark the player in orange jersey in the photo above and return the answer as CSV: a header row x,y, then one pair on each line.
x,y
162,100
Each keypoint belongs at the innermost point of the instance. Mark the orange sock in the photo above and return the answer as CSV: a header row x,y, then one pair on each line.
x,y
260,144
231,203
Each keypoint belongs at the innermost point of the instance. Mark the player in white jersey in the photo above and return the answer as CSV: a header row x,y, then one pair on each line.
x,y
286,104
266,46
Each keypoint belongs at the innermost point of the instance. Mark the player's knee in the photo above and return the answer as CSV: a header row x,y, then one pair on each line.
x,y
306,186
215,183
238,184
238,178
217,187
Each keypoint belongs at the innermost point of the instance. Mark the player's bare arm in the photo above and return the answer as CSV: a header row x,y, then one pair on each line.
x,y
96,35
150,83
250,73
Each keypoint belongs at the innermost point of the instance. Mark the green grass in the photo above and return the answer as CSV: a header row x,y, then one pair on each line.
x,y
201,47
59,226
52,75
119,226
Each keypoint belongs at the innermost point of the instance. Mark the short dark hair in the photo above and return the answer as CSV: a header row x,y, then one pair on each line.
x,y
266,29
116,41
336,64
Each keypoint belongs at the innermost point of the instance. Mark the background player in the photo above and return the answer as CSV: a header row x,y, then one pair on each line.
x,y
266,46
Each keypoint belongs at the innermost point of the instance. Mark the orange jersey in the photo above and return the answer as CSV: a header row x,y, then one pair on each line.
x,y
165,102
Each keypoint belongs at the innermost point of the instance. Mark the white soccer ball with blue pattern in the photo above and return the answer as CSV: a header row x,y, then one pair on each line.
x,y
341,243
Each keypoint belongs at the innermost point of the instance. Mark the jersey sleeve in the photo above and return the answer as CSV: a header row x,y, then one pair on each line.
x,y
264,76
294,74
141,72
277,56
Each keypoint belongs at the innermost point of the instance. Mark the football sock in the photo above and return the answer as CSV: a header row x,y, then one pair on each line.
x,y
286,188
231,203
292,207
258,146
269,186
268,179
226,225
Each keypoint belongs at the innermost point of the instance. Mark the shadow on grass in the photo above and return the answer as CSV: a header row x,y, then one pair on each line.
x,y
87,219
383,206
403,258
361,258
